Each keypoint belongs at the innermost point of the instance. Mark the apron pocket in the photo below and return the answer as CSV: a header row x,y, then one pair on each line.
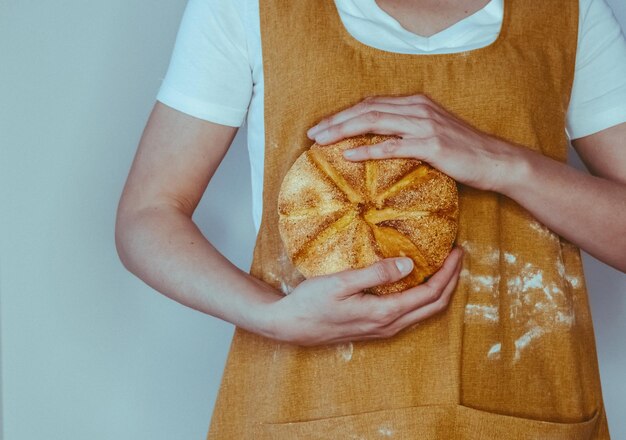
x,y
427,422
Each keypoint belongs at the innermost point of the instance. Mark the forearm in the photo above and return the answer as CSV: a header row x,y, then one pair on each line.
x,y
587,210
164,248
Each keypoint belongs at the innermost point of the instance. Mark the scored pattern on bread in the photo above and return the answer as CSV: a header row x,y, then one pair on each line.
x,y
335,214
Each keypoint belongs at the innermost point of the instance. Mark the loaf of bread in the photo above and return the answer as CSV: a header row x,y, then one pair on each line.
x,y
335,214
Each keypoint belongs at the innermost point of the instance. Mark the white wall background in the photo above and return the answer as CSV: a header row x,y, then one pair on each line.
x,y
87,350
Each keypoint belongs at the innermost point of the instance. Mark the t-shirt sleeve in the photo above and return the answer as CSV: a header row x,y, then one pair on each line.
x,y
598,98
209,75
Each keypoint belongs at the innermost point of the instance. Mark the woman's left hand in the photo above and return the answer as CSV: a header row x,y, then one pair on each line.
x,y
427,132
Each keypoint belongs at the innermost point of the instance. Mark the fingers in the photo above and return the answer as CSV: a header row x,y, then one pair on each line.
x,y
423,149
370,122
428,310
411,298
385,327
382,272
362,108
391,313
429,291
344,313
419,106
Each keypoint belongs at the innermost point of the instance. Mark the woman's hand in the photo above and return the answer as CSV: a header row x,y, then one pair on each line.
x,y
332,308
427,132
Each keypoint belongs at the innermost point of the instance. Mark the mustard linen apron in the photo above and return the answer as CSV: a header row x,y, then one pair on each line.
x,y
513,356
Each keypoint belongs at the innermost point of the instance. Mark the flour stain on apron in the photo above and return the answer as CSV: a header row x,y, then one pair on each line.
x,y
345,351
385,431
539,303
285,276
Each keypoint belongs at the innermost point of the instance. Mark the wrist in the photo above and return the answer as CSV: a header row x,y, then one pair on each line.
x,y
260,311
515,167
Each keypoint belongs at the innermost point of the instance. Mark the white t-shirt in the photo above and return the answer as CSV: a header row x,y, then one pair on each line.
x,y
215,72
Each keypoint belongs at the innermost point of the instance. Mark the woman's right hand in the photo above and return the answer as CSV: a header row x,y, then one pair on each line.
x,y
332,308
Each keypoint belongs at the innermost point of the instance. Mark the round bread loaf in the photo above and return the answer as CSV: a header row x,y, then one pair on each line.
x,y
335,214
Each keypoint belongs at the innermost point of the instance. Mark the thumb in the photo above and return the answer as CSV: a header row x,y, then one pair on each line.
x,y
382,272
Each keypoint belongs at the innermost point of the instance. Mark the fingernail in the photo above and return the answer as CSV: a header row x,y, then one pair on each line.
x,y
404,265
322,137
349,153
311,131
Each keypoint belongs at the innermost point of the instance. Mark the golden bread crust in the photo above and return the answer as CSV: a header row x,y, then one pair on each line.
x,y
335,214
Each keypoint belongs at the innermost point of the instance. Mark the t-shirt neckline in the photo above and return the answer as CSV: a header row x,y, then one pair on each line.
x,y
456,28
349,39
